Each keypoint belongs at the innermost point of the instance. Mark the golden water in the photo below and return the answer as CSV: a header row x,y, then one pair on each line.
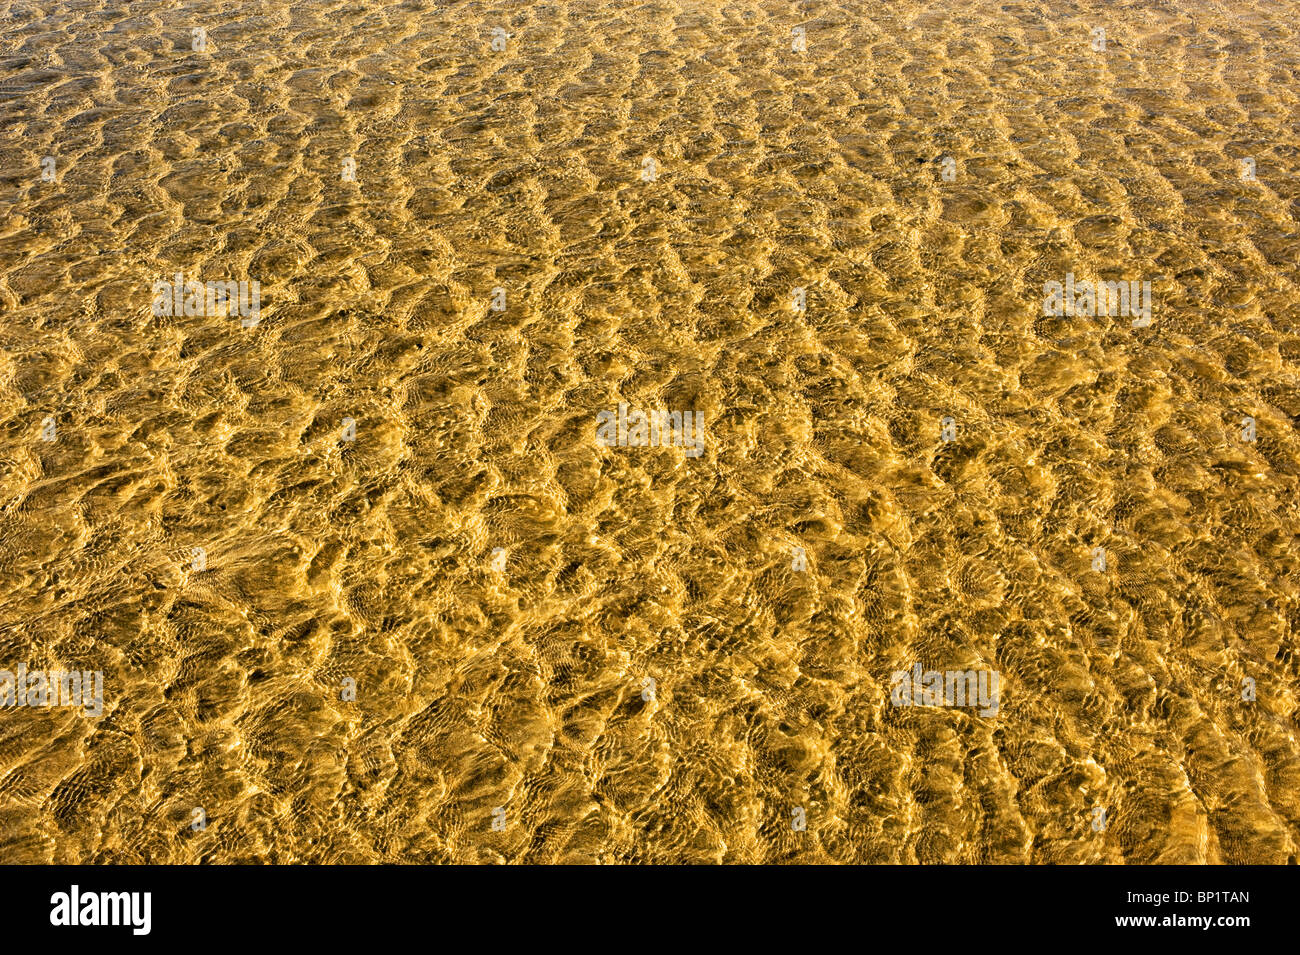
x,y
523,690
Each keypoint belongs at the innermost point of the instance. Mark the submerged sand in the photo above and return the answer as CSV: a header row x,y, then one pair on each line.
x,y
498,585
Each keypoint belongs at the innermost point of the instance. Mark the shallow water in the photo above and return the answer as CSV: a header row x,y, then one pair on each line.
x,y
498,583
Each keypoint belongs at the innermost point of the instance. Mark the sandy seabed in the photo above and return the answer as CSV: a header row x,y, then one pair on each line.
x,y
363,583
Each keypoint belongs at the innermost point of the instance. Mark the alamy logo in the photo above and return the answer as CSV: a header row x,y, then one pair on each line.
x,y
214,299
1085,298
103,908
53,688
948,688
659,429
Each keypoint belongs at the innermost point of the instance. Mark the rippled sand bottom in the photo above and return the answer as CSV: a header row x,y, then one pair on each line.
x,y
181,506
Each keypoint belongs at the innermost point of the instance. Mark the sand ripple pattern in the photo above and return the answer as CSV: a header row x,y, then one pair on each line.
x,y
521,689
